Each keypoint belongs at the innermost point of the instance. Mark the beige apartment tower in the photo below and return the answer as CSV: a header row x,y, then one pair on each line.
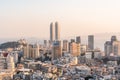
x,y
75,49
116,48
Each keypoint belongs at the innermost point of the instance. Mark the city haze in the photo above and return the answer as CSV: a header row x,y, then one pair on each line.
x,y
28,18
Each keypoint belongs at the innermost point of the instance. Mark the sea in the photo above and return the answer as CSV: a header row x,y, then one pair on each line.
x,y
99,39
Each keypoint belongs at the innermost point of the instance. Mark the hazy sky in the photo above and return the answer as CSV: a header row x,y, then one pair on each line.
x,y
31,18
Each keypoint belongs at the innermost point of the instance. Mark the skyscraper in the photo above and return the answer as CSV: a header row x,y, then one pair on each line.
x,y
57,32
56,50
72,40
91,42
36,51
26,51
65,45
108,48
113,38
116,48
75,49
45,43
51,32
78,39
112,46
31,51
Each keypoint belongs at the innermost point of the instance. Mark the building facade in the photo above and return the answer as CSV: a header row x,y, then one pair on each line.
x,y
108,48
65,45
51,32
116,48
112,47
56,50
90,42
57,31
78,39
75,48
31,51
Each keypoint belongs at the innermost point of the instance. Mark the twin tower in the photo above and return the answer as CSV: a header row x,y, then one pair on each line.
x,y
54,32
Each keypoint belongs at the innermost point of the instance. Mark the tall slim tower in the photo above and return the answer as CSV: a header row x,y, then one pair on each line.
x,y
57,32
91,42
51,32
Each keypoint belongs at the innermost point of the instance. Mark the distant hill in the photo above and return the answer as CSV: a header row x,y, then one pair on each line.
x,y
13,43
9,45
30,40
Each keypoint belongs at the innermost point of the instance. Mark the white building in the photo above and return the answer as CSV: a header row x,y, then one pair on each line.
x,y
83,48
88,55
10,63
15,56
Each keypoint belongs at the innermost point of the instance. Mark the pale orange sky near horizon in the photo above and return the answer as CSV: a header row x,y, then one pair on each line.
x,y
28,18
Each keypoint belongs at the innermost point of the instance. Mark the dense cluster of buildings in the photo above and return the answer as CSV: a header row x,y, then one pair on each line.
x,y
112,48
7,64
60,59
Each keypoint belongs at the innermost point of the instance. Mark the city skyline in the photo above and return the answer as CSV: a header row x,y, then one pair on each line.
x,y
59,40
31,18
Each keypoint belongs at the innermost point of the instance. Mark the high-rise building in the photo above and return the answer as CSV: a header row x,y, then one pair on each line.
x,y
45,43
51,32
112,46
75,48
31,51
65,45
7,63
10,63
108,48
57,32
72,40
36,51
26,51
116,48
83,49
113,38
3,63
56,50
78,39
90,42
15,56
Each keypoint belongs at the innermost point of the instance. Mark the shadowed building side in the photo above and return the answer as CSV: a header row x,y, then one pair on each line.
x,y
51,32
57,32
90,42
